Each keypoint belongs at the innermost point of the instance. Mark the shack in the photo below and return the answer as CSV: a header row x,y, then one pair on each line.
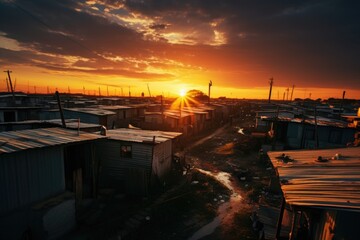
x,y
310,132
92,115
179,121
322,191
43,172
14,114
136,160
199,118
127,114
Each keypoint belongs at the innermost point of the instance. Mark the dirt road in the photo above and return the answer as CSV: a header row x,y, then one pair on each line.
x,y
214,203
211,199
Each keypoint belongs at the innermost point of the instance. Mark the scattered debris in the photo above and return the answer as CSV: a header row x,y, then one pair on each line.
x,y
321,159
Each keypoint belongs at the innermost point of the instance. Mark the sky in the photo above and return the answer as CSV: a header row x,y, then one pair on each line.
x,y
168,46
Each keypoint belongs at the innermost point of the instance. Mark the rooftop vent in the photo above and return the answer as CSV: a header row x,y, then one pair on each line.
x,y
103,131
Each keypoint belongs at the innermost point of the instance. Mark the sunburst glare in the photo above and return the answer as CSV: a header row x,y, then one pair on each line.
x,y
182,93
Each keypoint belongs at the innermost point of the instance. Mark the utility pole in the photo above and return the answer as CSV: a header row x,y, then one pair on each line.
x,y
271,84
316,129
7,85
149,90
342,102
99,92
107,89
210,84
292,92
60,109
129,92
287,94
11,86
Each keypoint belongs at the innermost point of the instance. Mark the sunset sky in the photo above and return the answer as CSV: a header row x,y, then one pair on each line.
x,y
179,45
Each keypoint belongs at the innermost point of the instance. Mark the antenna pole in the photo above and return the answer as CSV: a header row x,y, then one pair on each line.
x,y
210,84
292,92
149,90
11,86
271,84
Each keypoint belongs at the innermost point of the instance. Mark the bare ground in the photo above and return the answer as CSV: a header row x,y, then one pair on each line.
x,y
198,201
219,189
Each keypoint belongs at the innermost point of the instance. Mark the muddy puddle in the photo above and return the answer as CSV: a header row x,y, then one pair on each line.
x,y
226,210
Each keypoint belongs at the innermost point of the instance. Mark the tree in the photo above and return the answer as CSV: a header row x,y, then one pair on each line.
x,y
197,95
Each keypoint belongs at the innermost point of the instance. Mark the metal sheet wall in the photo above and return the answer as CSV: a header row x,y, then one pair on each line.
x,y
84,117
114,167
30,176
162,160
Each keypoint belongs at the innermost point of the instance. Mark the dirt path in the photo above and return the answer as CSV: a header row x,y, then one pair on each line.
x,y
208,201
213,203
208,137
216,155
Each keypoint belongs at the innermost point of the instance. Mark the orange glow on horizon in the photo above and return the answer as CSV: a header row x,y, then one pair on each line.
x,y
36,80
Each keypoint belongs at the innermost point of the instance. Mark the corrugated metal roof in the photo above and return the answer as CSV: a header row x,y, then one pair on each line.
x,y
176,114
114,107
319,122
153,113
70,123
73,123
331,182
139,135
14,141
93,111
194,110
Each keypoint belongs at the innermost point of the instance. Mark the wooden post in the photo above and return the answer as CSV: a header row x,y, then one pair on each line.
x,y
60,109
271,84
278,226
11,86
210,84
316,131
293,225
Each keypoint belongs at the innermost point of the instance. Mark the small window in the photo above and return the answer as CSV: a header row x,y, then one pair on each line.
x,y
126,151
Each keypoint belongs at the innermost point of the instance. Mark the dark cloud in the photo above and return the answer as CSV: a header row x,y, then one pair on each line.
x,y
309,41
158,26
53,27
116,72
314,43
